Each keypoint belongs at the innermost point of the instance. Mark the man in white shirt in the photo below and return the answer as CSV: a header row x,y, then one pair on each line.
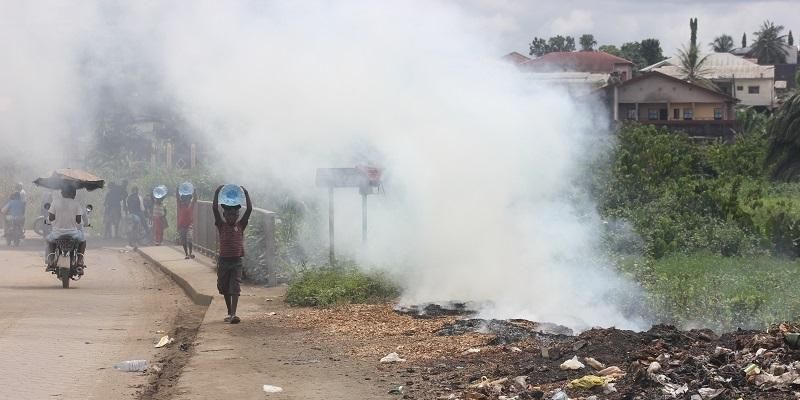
x,y
67,217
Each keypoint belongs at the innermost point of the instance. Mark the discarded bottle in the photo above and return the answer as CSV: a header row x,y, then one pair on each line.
x,y
131,366
560,396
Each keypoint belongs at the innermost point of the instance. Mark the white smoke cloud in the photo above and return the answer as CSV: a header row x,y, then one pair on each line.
x,y
479,161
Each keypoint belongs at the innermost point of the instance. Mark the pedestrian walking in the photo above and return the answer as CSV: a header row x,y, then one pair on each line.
x,y
187,204
231,222
158,214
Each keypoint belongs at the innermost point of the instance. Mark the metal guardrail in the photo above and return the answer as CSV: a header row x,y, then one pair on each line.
x,y
259,267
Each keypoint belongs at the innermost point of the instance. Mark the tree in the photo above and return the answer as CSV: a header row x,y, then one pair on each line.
x,y
769,44
650,50
540,46
610,49
587,42
722,44
690,61
783,155
561,43
632,51
790,39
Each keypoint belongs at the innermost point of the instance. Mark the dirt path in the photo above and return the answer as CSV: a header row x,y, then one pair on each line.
x,y
61,344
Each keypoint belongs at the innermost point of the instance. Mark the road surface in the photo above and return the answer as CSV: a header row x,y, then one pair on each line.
x,y
61,343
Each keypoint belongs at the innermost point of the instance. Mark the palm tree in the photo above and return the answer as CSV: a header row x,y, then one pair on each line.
x,y
783,130
691,64
722,44
769,44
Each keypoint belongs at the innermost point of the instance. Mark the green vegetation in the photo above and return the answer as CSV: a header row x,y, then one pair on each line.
x,y
340,285
714,240
722,293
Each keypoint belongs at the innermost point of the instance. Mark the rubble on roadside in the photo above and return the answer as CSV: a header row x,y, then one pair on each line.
x,y
517,361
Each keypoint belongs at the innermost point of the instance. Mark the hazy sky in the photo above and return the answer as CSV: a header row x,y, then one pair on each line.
x,y
513,23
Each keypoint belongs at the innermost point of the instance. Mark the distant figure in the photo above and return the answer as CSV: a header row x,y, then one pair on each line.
x,y
231,223
112,215
159,216
187,204
134,205
14,211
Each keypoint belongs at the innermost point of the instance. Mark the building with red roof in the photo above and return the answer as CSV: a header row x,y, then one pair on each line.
x,y
594,62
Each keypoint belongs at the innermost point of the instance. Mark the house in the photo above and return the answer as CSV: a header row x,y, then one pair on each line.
x,y
746,80
592,62
660,99
516,58
579,73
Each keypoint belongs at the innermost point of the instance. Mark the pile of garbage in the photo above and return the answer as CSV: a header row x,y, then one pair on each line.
x,y
662,363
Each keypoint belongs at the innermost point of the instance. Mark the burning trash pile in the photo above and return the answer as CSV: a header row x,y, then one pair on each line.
x,y
444,352
662,363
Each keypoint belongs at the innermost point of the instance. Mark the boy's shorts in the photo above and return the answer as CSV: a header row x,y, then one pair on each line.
x,y
229,275
186,232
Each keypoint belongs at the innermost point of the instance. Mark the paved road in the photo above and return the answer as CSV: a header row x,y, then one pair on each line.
x,y
60,344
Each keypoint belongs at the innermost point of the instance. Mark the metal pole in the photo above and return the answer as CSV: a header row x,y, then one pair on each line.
x,y
364,218
330,224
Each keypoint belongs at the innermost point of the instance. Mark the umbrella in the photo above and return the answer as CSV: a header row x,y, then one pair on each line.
x,y
80,178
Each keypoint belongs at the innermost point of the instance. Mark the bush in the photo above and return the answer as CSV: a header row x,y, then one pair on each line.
x,y
336,285
723,293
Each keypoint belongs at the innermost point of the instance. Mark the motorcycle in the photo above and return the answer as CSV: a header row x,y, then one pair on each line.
x,y
14,232
63,262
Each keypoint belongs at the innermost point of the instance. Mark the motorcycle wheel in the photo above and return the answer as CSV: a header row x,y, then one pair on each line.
x,y
64,278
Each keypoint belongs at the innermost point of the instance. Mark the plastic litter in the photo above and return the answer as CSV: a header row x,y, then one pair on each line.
x,y
397,390
272,389
131,366
709,393
653,367
611,371
559,395
609,388
572,364
597,365
587,382
471,351
165,340
392,358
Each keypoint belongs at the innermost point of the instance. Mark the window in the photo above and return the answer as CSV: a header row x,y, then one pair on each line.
x,y
632,114
740,88
676,113
718,113
652,114
688,113
624,76
752,89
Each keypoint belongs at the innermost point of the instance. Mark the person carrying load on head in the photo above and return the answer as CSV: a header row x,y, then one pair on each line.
x,y
159,214
67,217
187,204
231,222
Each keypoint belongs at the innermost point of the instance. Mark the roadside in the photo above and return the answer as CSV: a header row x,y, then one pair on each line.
x,y
263,350
114,313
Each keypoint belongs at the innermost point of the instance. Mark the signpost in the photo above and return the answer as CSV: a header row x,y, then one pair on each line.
x,y
366,179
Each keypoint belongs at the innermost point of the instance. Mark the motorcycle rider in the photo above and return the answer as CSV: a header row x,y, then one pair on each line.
x,y
14,211
67,216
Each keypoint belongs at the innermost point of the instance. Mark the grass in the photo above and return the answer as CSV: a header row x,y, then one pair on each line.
x,y
722,293
327,286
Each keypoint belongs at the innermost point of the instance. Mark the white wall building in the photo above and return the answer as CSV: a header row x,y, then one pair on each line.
x,y
752,84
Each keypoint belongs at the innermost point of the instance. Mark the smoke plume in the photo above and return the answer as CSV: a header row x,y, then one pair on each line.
x,y
480,163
